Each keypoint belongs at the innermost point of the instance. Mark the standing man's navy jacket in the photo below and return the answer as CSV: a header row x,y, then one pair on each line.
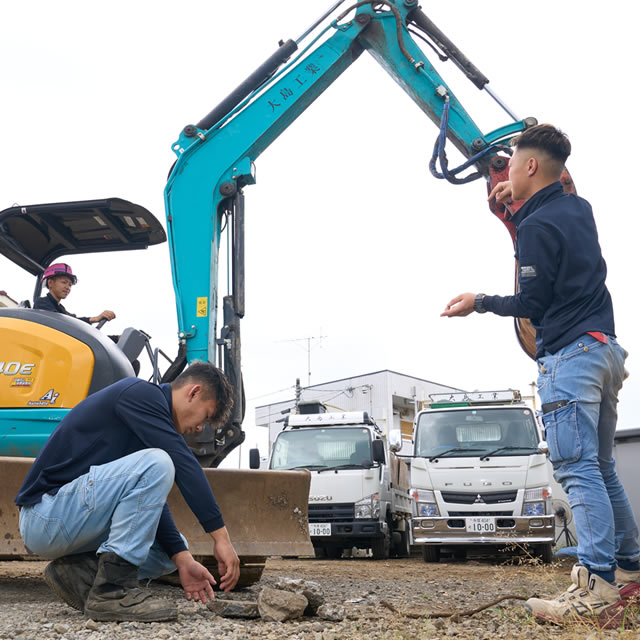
x,y
123,418
561,271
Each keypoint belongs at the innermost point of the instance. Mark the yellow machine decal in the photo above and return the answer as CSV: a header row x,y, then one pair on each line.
x,y
202,307
42,367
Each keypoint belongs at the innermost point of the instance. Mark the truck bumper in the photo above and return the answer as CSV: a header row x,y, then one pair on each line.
x,y
351,532
539,529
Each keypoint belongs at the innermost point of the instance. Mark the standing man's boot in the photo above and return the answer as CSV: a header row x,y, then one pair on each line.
x,y
116,595
71,577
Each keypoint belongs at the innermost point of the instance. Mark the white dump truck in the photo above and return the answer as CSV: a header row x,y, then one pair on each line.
x,y
359,495
480,476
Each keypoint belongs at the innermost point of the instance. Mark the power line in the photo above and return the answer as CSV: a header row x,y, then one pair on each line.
x,y
271,393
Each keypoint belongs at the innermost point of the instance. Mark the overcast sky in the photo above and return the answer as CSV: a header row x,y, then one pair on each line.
x,y
348,235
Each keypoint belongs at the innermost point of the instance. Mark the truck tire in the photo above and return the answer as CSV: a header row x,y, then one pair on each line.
x,y
431,553
545,552
380,547
401,544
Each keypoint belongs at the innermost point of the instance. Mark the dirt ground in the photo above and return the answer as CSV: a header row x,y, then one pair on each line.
x,y
394,599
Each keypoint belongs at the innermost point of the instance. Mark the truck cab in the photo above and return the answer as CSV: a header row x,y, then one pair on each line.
x,y
480,475
359,495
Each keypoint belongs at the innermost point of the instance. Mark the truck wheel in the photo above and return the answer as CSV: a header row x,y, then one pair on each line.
x,y
431,553
401,545
545,552
380,547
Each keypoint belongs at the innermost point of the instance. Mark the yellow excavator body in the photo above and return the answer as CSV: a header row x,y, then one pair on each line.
x,y
37,359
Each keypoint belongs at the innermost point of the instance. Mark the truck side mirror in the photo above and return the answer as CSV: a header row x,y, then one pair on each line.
x,y
395,440
377,448
543,447
254,458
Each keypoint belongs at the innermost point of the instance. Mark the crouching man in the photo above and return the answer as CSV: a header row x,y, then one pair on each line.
x,y
94,500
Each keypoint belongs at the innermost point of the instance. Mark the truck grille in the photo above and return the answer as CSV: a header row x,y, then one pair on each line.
x,y
464,514
487,498
331,512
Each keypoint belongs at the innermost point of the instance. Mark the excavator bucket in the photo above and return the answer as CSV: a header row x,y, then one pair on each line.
x,y
264,511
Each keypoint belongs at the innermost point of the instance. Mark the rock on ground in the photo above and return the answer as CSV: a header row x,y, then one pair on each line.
x,y
234,608
312,591
276,605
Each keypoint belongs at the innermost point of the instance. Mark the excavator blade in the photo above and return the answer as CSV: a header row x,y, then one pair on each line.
x,y
264,511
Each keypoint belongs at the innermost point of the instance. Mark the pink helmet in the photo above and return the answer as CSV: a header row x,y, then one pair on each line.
x,y
59,269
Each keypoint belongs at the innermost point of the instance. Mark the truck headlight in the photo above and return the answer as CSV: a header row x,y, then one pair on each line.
x,y
425,502
368,507
537,502
533,509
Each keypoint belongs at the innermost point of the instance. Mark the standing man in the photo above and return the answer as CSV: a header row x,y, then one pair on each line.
x,y
94,500
581,370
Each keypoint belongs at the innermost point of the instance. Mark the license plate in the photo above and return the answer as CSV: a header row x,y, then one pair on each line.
x,y
481,524
319,529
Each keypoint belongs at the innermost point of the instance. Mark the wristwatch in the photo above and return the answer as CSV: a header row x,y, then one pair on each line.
x,y
478,307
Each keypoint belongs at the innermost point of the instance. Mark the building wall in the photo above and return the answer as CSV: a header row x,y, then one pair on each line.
x,y
390,398
627,453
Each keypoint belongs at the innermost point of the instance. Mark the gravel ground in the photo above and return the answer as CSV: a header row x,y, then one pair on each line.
x,y
379,599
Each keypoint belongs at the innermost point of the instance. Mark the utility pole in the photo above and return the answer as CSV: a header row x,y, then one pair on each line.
x,y
534,388
298,393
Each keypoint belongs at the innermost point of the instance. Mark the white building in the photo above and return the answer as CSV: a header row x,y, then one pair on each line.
x,y
391,399
6,300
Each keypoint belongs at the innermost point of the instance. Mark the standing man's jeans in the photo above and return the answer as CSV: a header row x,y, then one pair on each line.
x,y
589,374
115,507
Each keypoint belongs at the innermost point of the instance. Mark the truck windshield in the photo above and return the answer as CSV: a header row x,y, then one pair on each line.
x,y
507,431
313,448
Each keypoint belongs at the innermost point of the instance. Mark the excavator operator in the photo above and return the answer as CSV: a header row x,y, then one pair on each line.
x,y
59,279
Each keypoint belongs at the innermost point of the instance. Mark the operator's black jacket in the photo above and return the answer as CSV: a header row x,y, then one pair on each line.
x,y
49,303
561,271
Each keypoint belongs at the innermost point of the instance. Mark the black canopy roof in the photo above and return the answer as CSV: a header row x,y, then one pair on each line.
x,y
34,236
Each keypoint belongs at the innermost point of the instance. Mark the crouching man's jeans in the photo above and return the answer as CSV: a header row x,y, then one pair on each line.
x,y
115,507
588,375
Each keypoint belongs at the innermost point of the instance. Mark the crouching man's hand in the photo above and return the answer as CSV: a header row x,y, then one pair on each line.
x,y
195,578
228,561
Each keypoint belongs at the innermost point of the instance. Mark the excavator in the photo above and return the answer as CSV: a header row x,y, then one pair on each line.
x,y
50,362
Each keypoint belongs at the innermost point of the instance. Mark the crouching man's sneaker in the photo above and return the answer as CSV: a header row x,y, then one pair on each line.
x,y
589,597
116,595
71,577
629,584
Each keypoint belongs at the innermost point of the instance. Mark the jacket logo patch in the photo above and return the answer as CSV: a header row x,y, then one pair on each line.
x,y
528,271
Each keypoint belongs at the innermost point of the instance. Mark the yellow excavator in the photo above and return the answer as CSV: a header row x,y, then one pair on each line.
x,y
49,362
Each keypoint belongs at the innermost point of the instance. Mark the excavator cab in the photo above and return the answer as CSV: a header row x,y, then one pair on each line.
x,y
50,361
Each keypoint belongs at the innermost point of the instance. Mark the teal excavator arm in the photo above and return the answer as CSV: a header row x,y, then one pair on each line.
x,y
215,161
